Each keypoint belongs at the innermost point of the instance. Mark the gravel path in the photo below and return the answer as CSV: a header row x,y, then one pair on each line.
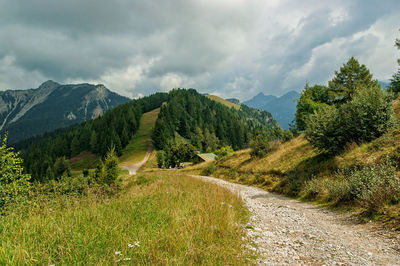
x,y
133,168
289,232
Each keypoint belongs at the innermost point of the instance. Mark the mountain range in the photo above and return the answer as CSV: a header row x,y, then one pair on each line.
x,y
282,108
26,113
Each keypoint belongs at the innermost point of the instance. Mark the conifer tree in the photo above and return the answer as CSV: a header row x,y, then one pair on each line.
x,y
352,76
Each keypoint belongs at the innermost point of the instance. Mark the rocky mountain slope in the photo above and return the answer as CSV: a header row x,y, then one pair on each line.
x,y
26,113
282,108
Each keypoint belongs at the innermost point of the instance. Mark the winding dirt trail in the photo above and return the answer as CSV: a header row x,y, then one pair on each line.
x,y
133,168
290,232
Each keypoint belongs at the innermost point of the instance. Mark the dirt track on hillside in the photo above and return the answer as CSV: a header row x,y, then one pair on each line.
x,y
289,232
133,168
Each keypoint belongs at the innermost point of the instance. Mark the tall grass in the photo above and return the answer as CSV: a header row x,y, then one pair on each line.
x,y
158,219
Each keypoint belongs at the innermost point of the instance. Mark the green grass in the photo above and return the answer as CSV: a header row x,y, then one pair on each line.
x,y
135,151
84,160
174,219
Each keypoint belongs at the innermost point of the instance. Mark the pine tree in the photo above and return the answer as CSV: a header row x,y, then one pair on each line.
x,y
352,76
75,146
111,169
93,142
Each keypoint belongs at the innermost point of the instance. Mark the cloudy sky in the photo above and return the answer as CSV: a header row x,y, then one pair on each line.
x,y
231,48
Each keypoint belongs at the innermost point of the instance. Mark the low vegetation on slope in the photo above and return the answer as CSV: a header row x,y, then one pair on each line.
x,y
157,219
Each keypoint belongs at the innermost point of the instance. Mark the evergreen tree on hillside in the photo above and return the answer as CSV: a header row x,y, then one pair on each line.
x,y
352,76
395,83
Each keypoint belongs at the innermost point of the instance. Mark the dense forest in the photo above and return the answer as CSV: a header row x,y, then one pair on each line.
x,y
44,156
207,124
191,122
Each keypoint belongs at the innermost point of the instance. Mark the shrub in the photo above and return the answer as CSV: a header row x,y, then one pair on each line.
x,y
367,116
209,169
224,151
14,185
260,146
161,158
374,185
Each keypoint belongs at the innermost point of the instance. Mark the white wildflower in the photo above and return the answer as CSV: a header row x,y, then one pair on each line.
x,y
126,259
118,253
135,244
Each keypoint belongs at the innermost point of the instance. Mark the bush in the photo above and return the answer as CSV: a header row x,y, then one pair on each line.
x,y
14,185
209,169
366,117
224,151
161,158
261,145
375,185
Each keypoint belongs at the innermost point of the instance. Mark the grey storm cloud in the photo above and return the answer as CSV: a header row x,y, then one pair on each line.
x,y
233,48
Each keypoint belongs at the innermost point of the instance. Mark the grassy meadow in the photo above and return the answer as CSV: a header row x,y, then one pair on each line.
x,y
156,219
135,151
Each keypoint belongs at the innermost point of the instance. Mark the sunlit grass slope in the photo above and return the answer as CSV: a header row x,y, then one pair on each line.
x,y
135,151
223,101
158,220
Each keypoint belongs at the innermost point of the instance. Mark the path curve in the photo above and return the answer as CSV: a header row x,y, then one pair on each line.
x,y
290,232
133,168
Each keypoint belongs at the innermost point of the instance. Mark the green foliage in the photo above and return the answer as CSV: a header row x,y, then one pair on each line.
x,y
14,185
375,185
61,167
395,83
209,169
176,153
351,77
312,99
224,151
367,116
107,172
372,186
161,158
260,145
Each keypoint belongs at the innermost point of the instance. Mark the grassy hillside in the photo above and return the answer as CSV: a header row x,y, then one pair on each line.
x,y
135,151
295,169
223,101
157,219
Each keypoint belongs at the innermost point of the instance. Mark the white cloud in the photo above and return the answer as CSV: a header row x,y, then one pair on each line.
x,y
233,48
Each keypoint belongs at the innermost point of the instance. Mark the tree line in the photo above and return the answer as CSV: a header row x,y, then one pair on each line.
x,y
44,156
191,122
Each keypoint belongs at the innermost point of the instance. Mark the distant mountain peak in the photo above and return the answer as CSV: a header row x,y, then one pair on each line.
x,y
25,113
282,108
48,84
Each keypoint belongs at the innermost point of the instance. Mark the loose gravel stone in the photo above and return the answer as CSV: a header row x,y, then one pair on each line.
x,y
290,232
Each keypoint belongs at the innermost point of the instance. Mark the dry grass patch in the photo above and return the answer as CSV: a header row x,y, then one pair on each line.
x,y
159,219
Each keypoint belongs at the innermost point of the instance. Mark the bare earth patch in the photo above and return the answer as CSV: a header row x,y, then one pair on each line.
x,y
288,231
